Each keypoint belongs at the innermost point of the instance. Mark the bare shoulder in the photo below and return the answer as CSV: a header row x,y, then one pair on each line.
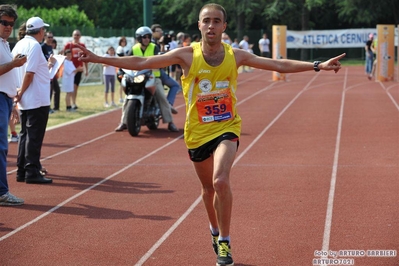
x,y
183,54
241,56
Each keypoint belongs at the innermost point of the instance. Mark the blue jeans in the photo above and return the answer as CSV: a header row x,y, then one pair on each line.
x,y
369,61
174,87
5,113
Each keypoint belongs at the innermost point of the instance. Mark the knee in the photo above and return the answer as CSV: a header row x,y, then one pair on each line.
x,y
208,191
221,185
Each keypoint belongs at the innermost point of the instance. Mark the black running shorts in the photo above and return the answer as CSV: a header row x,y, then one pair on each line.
x,y
205,151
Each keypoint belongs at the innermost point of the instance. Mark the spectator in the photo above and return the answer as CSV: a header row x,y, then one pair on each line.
x,y
173,45
375,51
173,86
8,90
14,137
226,38
22,31
75,54
68,78
264,44
369,54
235,44
47,48
33,101
121,50
109,78
245,46
186,40
195,39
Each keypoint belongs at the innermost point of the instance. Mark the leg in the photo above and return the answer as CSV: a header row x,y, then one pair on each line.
x,y
76,83
56,90
68,97
173,86
6,198
204,172
5,113
35,128
21,147
224,156
112,83
163,102
123,124
373,69
214,175
74,94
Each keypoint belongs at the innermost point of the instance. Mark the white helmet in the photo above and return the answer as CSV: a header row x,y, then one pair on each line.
x,y
142,31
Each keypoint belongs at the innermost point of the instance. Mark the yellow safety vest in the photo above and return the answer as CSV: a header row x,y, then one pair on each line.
x,y
149,51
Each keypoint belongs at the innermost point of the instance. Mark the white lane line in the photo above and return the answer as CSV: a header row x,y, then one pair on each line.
x,y
88,189
148,254
330,203
389,94
70,149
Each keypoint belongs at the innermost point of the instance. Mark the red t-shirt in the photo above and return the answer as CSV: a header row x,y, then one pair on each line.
x,y
75,53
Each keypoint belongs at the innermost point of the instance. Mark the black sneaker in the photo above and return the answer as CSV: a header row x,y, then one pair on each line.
x,y
172,127
215,239
224,254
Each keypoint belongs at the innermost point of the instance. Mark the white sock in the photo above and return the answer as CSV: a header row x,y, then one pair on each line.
x,y
224,238
214,231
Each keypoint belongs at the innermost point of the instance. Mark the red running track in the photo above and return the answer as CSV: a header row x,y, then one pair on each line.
x,y
316,173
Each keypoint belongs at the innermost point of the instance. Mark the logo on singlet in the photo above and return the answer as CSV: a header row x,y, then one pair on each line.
x,y
205,85
206,71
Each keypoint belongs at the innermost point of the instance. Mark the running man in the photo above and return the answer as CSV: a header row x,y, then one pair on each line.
x,y
212,128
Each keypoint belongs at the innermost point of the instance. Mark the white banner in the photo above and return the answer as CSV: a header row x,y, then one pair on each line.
x,y
348,38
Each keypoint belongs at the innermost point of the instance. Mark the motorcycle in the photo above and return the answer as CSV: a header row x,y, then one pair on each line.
x,y
142,107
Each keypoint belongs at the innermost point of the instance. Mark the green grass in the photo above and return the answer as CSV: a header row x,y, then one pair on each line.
x,y
90,100
352,62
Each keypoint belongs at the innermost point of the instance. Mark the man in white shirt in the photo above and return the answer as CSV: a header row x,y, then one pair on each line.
x,y
264,46
33,101
244,43
245,46
8,90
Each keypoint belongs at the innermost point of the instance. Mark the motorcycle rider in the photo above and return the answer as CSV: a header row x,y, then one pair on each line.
x,y
145,48
174,87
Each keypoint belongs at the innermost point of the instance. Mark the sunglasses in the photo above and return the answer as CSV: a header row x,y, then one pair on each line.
x,y
146,37
6,23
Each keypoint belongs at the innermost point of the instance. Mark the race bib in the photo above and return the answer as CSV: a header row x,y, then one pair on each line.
x,y
214,106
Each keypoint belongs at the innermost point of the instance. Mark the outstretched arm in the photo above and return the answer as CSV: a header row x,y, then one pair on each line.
x,y
134,62
284,65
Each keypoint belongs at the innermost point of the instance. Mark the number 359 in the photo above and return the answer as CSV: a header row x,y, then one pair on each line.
x,y
215,109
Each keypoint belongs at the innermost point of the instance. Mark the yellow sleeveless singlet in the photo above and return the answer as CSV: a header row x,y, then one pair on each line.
x,y
210,95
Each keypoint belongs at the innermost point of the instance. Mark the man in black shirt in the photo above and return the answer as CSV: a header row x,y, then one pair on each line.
x,y
47,48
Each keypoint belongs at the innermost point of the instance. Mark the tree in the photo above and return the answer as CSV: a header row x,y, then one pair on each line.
x,y
62,16
368,12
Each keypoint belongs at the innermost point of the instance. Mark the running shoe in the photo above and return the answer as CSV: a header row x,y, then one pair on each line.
x,y
14,138
215,239
9,199
224,254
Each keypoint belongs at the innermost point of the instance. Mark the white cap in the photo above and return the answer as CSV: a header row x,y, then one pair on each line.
x,y
35,23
